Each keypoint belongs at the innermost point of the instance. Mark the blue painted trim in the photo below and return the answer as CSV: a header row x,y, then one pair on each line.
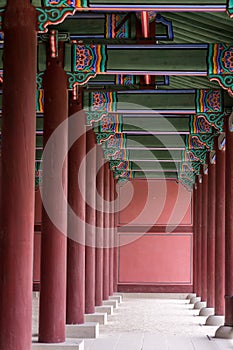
x,y
155,111
165,46
154,72
86,36
166,23
160,8
158,92
132,115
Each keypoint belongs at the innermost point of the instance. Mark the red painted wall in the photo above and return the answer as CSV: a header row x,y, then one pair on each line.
x,y
149,258
155,202
156,259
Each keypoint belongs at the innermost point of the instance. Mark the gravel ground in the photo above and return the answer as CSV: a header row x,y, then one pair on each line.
x,y
152,322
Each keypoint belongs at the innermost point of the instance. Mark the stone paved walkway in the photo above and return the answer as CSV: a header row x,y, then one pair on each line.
x,y
156,322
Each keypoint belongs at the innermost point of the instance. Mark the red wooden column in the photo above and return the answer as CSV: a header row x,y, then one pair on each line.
x,y
199,234
76,219
211,200
195,208
226,331
115,282
219,306
18,174
90,222
202,239
204,235
111,234
99,227
53,239
106,232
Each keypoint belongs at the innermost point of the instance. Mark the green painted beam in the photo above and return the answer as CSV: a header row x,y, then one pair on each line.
x,y
39,154
157,59
155,155
155,175
161,102
142,157
156,124
39,141
155,141
155,166
88,25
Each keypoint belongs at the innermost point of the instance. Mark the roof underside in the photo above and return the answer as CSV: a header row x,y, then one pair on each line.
x,y
155,117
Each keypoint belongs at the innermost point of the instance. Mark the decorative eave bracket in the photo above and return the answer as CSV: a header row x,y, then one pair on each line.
x,y
220,66
203,123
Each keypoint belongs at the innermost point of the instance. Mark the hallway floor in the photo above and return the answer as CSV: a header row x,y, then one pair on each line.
x,y
156,322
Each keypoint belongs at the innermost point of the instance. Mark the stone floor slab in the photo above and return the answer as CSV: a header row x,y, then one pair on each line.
x,y
100,317
156,322
130,342
68,345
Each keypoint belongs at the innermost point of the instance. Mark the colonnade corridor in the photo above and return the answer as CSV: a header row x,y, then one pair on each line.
x,y
153,321
116,174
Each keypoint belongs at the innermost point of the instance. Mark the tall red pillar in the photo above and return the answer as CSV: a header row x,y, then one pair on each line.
x,y
195,208
211,199
115,240
226,331
111,235
106,232
90,222
99,227
76,213
219,306
18,174
204,235
211,232
199,235
53,238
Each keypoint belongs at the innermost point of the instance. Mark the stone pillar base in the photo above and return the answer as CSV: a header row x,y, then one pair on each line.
x,y
206,311
215,320
83,331
225,332
118,293
113,303
191,295
199,305
100,317
116,297
194,300
68,345
105,308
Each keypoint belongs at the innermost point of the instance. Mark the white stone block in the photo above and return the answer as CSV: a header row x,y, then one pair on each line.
x,y
105,308
116,297
113,303
83,331
68,345
100,317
